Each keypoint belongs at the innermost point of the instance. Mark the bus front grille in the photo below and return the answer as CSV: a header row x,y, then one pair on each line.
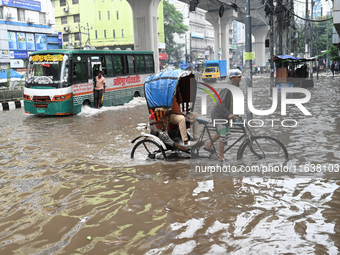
x,y
41,99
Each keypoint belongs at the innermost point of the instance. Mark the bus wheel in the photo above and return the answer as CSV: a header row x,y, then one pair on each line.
x,y
136,94
87,103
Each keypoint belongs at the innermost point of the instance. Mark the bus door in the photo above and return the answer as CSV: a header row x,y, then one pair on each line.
x,y
96,67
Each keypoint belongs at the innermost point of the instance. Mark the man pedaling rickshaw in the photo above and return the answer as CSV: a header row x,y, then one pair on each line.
x,y
224,111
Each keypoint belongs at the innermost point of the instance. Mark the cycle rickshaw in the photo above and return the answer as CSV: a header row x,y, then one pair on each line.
x,y
164,139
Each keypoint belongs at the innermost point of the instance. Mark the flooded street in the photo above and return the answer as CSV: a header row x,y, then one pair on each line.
x,y
68,186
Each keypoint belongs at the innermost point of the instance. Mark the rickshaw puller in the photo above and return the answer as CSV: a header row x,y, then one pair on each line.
x,y
224,111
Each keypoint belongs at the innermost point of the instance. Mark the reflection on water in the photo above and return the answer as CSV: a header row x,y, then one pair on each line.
x,y
68,186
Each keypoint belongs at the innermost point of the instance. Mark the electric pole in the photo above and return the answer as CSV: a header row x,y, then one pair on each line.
x,y
307,34
271,42
79,35
190,49
248,50
88,33
280,25
327,48
186,49
311,39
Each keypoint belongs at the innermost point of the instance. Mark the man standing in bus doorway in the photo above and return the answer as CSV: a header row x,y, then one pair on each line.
x,y
224,111
99,90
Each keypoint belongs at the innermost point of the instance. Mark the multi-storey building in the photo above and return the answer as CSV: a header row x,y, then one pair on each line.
x,y
25,26
199,40
99,23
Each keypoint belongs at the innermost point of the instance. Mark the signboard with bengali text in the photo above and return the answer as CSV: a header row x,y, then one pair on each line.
x,y
24,4
248,55
38,59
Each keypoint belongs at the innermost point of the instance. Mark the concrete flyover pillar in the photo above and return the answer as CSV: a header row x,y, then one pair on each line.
x,y
226,20
213,19
260,33
221,31
145,26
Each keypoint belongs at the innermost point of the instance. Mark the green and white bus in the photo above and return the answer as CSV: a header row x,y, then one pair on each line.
x,y
60,82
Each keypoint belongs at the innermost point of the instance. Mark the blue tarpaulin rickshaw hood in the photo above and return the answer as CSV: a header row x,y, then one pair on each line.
x,y
160,88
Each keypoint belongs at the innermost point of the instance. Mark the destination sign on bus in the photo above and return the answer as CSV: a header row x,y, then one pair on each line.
x,y
47,58
128,80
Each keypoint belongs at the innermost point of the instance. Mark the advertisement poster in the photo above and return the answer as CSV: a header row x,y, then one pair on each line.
x,y
30,41
40,41
21,38
12,41
5,53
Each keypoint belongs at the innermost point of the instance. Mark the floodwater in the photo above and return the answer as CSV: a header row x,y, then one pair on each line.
x,y
68,186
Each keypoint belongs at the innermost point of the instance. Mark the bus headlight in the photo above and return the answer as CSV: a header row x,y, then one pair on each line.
x,y
27,97
62,97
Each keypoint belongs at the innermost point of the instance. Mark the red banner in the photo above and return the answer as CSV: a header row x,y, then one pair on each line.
x,y
163,56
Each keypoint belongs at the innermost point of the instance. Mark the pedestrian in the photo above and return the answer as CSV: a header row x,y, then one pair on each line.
x,y
225,112
337,66
99,89
332,67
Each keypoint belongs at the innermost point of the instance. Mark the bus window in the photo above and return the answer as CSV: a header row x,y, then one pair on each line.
x,y
104,68
140,64
109,67
96,69
79,72
118,65
149,64
130,63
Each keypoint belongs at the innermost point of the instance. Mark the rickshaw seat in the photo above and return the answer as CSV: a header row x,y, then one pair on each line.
x,y
159,118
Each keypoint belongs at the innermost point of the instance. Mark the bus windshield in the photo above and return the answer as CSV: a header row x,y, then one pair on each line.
x,y
47,70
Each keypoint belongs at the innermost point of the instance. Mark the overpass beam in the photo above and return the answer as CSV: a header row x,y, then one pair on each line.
x,y
145,26
260,33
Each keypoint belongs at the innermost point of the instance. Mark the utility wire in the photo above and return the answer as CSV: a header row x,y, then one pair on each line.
x,y
311,20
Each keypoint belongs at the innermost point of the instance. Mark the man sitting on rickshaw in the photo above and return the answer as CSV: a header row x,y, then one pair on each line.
x,y
178,118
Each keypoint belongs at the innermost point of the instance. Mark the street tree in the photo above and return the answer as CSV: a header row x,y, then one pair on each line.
x,y
319,36
173,24
334,53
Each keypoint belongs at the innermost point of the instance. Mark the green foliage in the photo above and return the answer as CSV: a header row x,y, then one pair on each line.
x,y
334,53
319,37
11,94
173,24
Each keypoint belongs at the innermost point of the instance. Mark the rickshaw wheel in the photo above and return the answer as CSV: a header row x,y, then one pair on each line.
x,y
148,150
